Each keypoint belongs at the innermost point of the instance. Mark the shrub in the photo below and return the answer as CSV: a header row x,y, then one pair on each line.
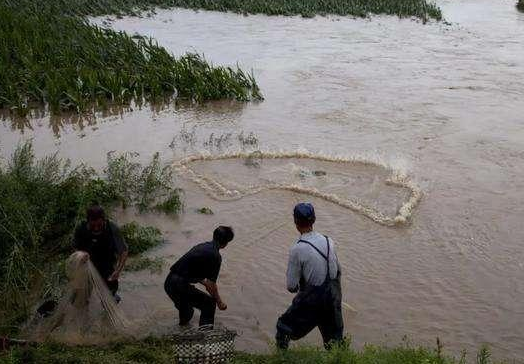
x,y
140,239
41,203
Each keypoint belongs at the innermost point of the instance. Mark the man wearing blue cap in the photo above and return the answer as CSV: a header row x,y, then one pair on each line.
x,y
314,272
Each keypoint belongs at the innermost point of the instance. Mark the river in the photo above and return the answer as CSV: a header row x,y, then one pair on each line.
x,y
441,102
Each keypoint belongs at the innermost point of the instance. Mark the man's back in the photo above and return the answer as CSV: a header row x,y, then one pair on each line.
x,y
200,262
306,266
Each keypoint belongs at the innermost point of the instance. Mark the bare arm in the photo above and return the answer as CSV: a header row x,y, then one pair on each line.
x,y
122,251
212,289
119,266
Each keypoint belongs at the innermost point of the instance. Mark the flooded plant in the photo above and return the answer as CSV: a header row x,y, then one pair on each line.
x,y
41,202
219,142
140,238
172,204
54,58
148,188
185,139
153,265
307,8
249,140
484,355
205,211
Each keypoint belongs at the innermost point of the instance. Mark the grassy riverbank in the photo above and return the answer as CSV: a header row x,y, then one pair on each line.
x,y
52,57
155,351
41,202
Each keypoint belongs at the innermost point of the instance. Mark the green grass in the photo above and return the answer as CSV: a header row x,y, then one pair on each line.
x,y
153,351
41,202
49,56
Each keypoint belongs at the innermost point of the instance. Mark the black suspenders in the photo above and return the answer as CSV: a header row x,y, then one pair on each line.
x,y
328,276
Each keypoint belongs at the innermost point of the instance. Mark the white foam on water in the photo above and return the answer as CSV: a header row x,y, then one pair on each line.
x,y
398,177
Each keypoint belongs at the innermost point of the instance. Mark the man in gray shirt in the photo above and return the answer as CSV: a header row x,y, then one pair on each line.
x,y
314,272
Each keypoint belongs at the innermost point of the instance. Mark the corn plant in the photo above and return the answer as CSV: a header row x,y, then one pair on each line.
x,y
50,56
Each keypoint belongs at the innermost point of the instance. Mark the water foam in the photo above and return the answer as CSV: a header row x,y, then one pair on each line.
x,y
217,190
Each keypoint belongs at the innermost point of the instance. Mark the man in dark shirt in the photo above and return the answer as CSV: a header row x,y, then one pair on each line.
x,y
201,264
101,239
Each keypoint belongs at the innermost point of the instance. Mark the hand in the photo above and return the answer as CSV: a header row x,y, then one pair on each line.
x,y
85,258
221,306
114,276
208,285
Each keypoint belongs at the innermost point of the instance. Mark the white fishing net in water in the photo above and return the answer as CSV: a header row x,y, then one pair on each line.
x,y
219,189
87,313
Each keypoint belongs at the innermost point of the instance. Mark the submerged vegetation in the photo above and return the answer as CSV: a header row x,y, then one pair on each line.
x,y
49,56
160,351
140,263
41,202
140,238
148,188
308,8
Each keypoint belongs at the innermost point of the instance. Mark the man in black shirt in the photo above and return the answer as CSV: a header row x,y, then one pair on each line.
x,y
201,264
101,239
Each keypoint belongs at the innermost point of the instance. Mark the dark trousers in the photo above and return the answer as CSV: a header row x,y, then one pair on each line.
x,y
112,286
105,273
186,298
314,307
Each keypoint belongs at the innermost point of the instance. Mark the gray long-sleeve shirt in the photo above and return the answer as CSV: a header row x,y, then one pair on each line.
x,y
306,266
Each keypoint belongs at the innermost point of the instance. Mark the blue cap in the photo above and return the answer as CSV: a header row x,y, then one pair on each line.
x,y
304,211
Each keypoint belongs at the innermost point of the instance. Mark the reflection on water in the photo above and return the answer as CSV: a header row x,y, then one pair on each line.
x,y
59,122
442,102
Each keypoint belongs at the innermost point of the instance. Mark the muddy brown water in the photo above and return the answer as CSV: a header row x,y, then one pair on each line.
x,y
443,102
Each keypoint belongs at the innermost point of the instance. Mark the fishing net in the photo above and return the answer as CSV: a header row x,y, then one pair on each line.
x,y
219,190
87,313
204,345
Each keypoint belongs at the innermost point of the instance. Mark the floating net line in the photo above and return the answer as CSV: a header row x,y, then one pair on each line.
x,y
219,191
87,313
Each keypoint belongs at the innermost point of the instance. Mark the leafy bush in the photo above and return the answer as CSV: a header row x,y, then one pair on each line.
x,y
41,202
148,188
139,238
172,204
